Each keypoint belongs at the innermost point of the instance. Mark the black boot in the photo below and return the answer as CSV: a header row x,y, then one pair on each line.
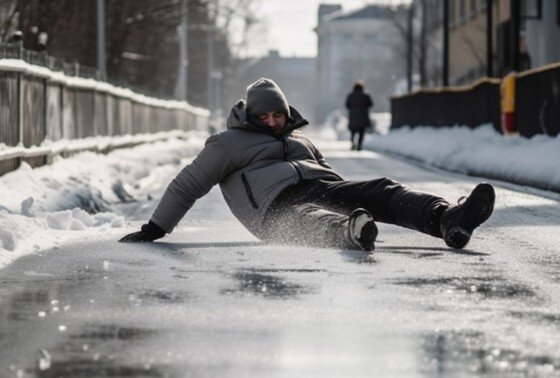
x,y
362,230
458,222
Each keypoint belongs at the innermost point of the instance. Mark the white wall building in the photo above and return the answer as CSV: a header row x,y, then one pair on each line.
x,y
363,44
295,75
542,34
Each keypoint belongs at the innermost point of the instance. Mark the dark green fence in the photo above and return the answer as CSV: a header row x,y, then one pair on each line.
x,y
471,105
537,101
537,104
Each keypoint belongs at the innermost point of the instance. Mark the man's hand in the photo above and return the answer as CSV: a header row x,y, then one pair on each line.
x,y
149,232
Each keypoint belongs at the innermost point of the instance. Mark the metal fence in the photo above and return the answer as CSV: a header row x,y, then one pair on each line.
x,y
537,101
471,105
38,104
536,109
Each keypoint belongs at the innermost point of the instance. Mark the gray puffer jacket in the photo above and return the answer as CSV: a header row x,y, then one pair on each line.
x,y
252,166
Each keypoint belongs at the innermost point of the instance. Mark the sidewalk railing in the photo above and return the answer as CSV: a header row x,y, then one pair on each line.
x,y
43,98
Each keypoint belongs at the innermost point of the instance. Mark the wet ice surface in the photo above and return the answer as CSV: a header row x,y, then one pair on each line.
x,y
210,300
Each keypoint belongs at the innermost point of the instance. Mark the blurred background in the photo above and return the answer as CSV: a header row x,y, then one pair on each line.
x,y
208,51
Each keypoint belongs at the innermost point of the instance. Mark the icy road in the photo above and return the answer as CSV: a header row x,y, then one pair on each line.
x,y
212,301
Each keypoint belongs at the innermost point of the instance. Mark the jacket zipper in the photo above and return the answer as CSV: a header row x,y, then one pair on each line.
x,y
285,156
249,192
284,148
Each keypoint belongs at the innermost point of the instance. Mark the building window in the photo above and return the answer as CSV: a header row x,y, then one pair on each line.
x,y
474,8
462,10
452,13
531,9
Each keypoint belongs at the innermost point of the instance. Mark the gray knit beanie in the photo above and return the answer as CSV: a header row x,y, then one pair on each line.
x,y
264,96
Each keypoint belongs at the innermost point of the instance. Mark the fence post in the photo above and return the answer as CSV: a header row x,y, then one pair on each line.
x,y
19,45
45,97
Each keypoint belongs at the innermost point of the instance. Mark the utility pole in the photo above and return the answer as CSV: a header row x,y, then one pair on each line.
x,y
101,66
445,70
409,46
423,31
210,65
181,90
212,13
515,12
489,42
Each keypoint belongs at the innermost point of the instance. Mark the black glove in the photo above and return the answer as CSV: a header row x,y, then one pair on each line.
x,y
150,232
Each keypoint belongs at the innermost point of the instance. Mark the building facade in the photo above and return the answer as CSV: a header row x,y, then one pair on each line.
x,y
295,75
542,32
472,33
365,44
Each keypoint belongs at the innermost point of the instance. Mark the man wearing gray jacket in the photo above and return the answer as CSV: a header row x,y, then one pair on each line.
x,y
279,186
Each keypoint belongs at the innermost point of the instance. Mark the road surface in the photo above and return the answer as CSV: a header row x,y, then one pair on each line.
x,y
212,301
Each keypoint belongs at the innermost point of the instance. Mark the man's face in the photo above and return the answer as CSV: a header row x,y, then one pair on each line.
x,y
274,120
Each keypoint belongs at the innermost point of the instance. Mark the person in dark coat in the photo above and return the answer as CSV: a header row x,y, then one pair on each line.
x,y
281,188
358,103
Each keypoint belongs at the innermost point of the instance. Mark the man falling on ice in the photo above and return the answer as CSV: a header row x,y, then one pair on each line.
x,y
279,186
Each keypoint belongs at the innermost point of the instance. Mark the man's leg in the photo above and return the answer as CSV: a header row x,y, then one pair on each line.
x,y
391,202
360,139
387,200
352,139
313,225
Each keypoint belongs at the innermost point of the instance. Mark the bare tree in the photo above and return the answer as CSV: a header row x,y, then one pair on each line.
x,y
8,18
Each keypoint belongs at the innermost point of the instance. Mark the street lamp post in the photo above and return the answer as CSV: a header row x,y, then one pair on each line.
x,y
515,26
101,38
445,70
409,45
489,43
182,76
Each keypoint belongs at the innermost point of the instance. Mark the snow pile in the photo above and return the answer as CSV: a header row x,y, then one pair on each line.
x,y
77,196
478,152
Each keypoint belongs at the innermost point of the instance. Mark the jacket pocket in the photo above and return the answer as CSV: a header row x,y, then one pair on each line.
x,y
249,192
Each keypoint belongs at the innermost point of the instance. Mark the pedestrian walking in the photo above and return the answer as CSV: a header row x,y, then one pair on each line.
x,y
358,103
281,188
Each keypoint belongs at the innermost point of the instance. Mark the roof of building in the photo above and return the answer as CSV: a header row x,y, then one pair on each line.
x,y
368,11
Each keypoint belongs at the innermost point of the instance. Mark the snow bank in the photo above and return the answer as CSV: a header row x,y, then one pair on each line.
x,y
478,152
75,197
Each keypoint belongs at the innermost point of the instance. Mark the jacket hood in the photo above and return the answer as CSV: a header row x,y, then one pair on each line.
x,y
238,119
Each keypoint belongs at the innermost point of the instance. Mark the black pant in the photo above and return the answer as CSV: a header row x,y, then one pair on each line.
x,y
357,145
316,212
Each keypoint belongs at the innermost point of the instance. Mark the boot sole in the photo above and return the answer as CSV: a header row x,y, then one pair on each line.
x,y
460,236
483,190
360,224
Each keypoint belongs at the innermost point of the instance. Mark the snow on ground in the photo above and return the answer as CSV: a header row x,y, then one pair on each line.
x,y
42,206
477,152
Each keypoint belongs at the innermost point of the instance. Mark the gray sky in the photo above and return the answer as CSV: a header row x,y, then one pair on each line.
x,y
287,25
